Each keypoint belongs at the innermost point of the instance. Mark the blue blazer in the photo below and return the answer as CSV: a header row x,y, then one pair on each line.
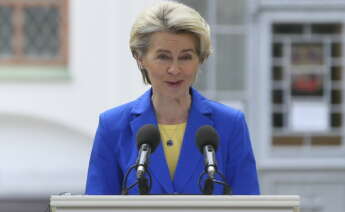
x,y
114,150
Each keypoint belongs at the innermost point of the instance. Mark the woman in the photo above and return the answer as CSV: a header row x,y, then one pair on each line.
x,y
169,42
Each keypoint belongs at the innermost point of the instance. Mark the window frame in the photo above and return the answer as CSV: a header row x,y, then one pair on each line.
x,y
261,101
17,42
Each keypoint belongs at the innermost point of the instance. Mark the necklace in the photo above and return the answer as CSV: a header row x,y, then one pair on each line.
x,y
170,141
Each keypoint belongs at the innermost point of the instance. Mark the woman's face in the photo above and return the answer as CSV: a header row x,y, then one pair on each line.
x,y
172,63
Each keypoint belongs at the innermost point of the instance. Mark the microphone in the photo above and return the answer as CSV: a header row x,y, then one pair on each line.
x,y
148,138
207,142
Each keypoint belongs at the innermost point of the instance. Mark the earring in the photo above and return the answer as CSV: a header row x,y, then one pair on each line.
x,y
140,66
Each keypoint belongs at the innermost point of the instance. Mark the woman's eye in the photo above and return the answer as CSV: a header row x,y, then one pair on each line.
x,y
186,57
163,57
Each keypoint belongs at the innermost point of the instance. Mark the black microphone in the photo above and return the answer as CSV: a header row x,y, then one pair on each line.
x,y
148,138
207,142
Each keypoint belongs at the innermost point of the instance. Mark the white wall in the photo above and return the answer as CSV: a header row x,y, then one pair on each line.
x,y
46,128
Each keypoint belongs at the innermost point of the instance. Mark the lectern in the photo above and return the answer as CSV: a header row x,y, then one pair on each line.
x,y
172,203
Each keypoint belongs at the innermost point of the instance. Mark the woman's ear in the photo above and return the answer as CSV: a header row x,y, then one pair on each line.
x,y
140,62
140,65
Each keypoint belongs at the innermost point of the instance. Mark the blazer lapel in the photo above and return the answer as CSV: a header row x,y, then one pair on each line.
x,y
190,156
144,114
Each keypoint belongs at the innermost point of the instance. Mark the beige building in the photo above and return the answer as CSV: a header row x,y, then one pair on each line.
x,y
62,62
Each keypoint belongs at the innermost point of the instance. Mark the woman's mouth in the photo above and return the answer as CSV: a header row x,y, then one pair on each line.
x,y
174,84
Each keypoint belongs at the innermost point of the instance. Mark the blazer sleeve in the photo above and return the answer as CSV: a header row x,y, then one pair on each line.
x,y
241,167
104,174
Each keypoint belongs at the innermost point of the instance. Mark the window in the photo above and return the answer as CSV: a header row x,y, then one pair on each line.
x,y
222,77
33,32
306,89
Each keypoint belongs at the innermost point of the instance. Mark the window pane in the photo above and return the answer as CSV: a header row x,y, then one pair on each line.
x,y
278,120
336,73
6,31
198,5
41,32
230,50
277,50
277,74
307,54
336,50
231,12
278,97
201,81
336,120
326,140
336,97
287,28
326,28
287,141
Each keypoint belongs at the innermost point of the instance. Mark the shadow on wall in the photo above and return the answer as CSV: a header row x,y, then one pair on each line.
x,y
24,205
39,158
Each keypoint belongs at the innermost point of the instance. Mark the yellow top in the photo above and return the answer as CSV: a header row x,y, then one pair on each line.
x,y
174,133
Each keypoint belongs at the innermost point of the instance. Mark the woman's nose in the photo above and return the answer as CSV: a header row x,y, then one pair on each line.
x,y
174,68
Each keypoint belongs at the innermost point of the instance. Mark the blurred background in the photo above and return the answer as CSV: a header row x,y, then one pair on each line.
x,y
62,62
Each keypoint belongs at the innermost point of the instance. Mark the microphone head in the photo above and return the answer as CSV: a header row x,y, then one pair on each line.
x,y
207,135
148,134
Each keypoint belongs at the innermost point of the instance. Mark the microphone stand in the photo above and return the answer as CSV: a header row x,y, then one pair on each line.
x,y
208,187
144,185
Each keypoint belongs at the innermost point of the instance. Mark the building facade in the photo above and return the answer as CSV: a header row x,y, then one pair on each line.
x,y
280,61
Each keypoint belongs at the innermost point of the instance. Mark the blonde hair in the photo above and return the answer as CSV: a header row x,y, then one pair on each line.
x,y
172,17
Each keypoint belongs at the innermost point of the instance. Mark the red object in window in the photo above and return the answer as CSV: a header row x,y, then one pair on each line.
x,y
307,83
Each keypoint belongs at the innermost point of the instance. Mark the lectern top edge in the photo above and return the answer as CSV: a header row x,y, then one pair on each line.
x,y
167,201
179,197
